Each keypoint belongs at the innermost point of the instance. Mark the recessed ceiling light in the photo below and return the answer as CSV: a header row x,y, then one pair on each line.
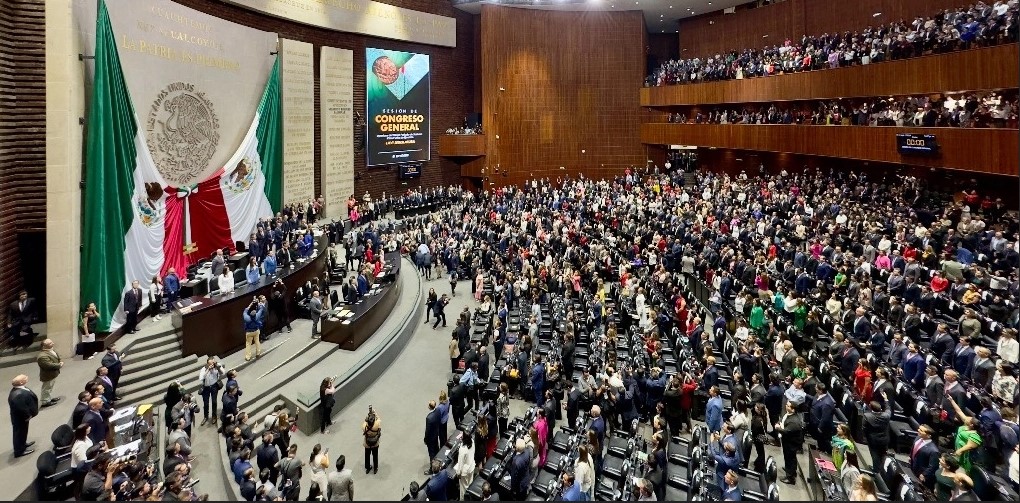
x,y
709,3
662,15
670,6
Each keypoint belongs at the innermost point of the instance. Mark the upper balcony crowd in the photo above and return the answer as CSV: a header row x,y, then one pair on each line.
x,y
979,25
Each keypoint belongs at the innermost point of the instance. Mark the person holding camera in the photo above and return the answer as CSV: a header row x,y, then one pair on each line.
x,y
185,409
209,377
371,429
98,483
253,315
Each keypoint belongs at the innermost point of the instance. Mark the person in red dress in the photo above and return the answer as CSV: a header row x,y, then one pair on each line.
x,y
862,381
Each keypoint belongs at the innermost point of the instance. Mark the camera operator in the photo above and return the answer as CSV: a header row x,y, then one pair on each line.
x,y
185,409
99,482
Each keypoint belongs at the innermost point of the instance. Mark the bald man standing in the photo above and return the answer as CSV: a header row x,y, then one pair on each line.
x,y
49,368
24,406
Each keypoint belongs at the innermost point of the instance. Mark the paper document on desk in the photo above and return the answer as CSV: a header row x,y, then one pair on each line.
x,y
123,412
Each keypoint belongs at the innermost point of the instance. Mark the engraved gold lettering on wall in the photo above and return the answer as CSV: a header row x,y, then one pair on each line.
x,y
298,121
336,120
367,17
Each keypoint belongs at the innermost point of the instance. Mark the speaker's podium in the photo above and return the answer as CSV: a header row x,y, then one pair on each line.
x,y
214,325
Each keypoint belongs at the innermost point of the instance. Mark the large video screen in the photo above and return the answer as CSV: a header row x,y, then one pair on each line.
x,y
398,92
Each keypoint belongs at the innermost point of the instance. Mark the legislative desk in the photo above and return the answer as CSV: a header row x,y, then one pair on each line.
x,y
215,325
366,316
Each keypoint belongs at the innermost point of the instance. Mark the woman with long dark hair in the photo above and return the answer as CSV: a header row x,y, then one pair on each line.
x,y
326,403
759,425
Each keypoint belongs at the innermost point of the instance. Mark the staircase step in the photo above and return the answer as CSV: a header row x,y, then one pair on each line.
x,y
142,342
145,390
142,357
172,363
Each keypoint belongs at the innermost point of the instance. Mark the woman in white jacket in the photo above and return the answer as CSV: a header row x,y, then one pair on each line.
x,y
584,472
465,467
226,280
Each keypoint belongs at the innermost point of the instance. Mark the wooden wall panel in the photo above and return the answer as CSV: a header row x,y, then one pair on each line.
x,y
453,93
985,68
717,32
979,150
22,144
461,145
569,81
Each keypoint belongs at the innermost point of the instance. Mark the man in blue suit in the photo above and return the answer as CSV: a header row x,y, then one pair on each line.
x,y
172,287
433,422
571,488
913,366
924,456
725,458
713,410
803,283
538,380
963,357
437,486
362,285
820,419
725,284
710,377
731,491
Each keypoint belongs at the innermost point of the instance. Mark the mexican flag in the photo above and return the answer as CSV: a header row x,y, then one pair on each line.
x,y
124,197
135,225
223,210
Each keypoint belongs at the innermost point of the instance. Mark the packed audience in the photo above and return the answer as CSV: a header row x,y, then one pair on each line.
x,y
816,280
809,291
978,25
969,110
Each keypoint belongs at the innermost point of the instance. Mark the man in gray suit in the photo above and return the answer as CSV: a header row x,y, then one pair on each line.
x,y
315,307
340,486
217,263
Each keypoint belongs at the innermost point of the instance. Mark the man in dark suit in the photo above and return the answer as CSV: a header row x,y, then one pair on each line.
x,y
820,419
963,357
132,305
112,361
861,327
924,456
934,388
20,316
982,369
94,417
942,344
848,361
897,350
876,430
913,366
520,467
433,422
80,408
882,385
953,391
484,366
24,406
710,377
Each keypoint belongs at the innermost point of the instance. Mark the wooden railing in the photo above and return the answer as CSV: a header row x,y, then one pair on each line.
x,y
976,69
991,151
